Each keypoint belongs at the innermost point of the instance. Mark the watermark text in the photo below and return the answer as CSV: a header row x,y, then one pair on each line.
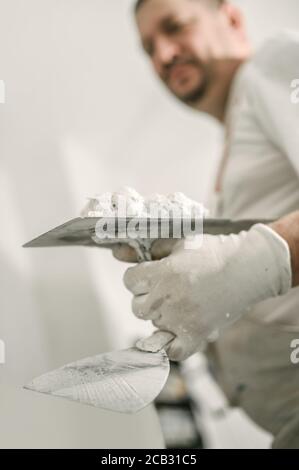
x,y
2,92
295,352
158,221
295,92
2,352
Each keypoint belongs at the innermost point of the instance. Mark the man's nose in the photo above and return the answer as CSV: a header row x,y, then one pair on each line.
x,y
165,52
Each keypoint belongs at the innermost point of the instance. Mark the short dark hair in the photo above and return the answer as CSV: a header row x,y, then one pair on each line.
x,y
217,3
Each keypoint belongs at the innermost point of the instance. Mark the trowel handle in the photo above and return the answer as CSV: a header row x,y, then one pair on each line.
x,y
156,342
160,339
143,250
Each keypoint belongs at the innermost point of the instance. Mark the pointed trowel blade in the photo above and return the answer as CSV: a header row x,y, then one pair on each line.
x,y
125,381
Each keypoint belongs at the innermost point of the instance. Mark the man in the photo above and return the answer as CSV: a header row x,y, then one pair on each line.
x,y
240,286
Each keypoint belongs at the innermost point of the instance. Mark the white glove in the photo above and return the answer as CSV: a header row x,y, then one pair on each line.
x,y
194,293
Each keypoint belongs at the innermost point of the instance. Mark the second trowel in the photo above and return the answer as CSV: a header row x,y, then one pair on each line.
x,y
124,381
128,380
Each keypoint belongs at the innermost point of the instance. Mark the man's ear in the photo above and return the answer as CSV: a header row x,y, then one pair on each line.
x,y
234,17
233,14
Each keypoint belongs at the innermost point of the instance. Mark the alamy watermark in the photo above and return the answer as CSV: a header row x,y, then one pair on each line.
x,y
156,222
295,353
2,352
295,92
2,92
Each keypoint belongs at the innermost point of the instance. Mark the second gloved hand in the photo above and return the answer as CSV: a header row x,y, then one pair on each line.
x,y
197,291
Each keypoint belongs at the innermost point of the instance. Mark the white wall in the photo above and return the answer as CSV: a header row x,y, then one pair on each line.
x,y
84,114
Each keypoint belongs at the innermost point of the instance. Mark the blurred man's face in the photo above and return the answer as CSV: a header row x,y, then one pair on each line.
x,y
184,40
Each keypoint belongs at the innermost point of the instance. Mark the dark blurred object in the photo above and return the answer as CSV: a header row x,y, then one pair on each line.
x,y
174,407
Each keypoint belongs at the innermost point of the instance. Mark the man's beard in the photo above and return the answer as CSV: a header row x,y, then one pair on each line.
x,y
198,92
195,95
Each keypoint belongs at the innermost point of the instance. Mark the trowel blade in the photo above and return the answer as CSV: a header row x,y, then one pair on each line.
x,y
125,381
81,231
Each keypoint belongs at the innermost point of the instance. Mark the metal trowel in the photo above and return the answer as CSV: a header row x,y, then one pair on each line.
x,y
128,380
125,381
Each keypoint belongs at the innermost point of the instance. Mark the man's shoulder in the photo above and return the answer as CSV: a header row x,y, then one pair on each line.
x,y
279,54
274,64
267,76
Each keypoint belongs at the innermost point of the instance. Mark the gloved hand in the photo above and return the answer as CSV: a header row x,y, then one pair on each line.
x,y
194,293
